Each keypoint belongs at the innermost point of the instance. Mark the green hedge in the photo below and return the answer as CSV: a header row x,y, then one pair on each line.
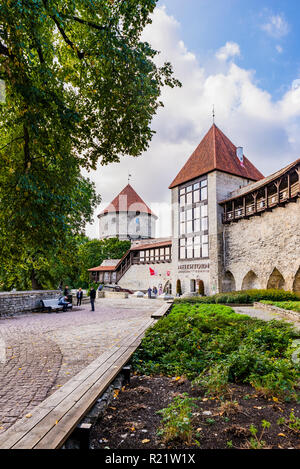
x,y
241,297
215,346
289,305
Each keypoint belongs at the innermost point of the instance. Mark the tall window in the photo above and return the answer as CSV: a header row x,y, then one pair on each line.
x,y
193,220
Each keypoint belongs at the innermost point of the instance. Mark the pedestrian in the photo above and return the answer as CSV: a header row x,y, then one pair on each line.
x,y
79,295
149,292
92,298
66,291
155,290
160,290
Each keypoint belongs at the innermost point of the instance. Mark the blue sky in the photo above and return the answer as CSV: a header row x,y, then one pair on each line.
x,y
242,56
273,52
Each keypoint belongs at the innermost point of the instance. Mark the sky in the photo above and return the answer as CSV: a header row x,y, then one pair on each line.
x,y
242,57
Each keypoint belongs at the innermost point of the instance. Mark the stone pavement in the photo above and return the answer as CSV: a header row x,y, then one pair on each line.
x,y
43,351
263,314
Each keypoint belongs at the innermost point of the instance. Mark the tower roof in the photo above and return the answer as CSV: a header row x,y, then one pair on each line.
x,y
215,152
128,200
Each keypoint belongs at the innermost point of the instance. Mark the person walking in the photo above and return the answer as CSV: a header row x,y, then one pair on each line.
x,y
149,292
160,290
155,291
92,298
79,295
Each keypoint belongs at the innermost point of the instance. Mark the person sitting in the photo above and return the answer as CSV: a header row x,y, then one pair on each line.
x,y
63,300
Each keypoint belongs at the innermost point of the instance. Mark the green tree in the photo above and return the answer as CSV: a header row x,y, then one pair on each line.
x,y
92,253
81,87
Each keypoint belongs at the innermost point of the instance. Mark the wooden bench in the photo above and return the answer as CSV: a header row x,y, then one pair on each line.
x,y
53,420
53,304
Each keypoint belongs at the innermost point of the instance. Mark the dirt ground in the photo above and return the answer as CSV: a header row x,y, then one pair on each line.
x,y
131,421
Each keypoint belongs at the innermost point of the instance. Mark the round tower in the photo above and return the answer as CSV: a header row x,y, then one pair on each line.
x,y
127,217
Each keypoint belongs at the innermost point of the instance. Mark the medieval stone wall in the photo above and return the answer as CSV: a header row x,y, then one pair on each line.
x,y
24,301
264,251
138,276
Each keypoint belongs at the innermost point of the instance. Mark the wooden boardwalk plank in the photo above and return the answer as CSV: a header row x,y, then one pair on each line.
x,y
59,414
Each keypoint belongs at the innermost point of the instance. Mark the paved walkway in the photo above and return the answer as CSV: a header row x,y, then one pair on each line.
x,y
263,314
43,351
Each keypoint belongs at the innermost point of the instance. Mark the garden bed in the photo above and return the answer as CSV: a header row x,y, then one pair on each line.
x,y
132,422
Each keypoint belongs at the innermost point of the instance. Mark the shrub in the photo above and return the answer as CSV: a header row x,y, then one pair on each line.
x,y
289,305
214,346
243,297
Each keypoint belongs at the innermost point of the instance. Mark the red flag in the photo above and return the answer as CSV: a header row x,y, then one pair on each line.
x,y
152,272
168,273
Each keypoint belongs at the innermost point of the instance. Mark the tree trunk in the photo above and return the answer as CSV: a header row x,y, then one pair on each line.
x,y
34,282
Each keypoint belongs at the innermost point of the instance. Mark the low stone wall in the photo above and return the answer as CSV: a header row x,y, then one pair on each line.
x,y
115,294
23,301
274,309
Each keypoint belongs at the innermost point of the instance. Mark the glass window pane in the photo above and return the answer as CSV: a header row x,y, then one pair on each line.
x,y
182,200
182,228
204,183
189,214
182,242
182,216
204,224
204,239
204,211
189,198
182,191
196,186
197,212
196,196
189,188
196,226
189,253
197,251
197,240
182,253
205,250
204,193
189,241
189,227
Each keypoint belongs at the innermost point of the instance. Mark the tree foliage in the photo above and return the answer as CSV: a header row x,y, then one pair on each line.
x,y
80,87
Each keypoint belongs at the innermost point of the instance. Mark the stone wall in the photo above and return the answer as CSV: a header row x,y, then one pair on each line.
x,y
264,251
138,276
23,301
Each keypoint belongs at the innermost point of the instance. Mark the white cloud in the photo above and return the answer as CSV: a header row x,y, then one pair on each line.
x,y
231,49
267,129
276,26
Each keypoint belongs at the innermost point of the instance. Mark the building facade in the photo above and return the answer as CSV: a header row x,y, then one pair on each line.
x,y
232,228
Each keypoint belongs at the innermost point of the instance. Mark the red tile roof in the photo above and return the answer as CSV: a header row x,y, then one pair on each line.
x,y
215,152
159,244
103,268
128,200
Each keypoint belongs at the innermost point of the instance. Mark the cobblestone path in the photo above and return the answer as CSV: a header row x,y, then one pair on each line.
x,y
43,351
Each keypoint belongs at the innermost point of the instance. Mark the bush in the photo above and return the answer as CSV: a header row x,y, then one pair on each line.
x,y
215,346
289,305
243,297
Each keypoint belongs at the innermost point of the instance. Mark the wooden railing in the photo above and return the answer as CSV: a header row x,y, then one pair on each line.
x,y
261,204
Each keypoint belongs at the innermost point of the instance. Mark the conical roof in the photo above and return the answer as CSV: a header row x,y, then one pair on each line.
x,y
216,152
128,200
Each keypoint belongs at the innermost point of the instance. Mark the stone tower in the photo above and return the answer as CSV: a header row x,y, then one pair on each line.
x,y
127,217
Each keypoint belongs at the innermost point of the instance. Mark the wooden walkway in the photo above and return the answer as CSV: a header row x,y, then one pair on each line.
x,y
51,423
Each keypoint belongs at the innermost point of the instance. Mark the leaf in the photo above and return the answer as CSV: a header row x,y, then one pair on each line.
x,y
281,434
145,441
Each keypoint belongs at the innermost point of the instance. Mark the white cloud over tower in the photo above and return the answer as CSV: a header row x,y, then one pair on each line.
x,y
268,129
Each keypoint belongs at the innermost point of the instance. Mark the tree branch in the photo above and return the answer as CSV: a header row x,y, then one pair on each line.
x,y
14,140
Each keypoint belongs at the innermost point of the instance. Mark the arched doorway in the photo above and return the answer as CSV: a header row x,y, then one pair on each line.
x,y
228,282
276,280
296,284
250,281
